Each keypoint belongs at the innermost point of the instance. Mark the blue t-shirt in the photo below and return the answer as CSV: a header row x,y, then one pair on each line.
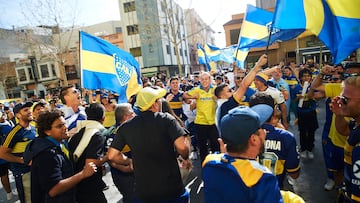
x,y
17,139
308,104
5,128
352,162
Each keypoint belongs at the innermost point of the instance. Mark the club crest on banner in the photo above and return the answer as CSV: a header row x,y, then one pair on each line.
x,y
123,70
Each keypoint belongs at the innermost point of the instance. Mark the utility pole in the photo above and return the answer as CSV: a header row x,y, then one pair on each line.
x,y
35,73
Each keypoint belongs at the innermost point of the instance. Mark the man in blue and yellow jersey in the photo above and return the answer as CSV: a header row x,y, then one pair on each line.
x,y
347,104
291,79
335,142
205,114
281,154
236,176
175,98
14,146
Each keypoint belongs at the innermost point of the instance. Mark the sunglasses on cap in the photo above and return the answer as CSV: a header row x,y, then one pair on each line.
x,y
346,75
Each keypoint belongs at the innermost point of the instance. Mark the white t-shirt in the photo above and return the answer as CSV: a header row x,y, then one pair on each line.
x,y
275,94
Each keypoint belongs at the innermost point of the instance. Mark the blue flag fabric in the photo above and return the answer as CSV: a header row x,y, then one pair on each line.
x,y
105,66
219,54
201,55
256,26
336,23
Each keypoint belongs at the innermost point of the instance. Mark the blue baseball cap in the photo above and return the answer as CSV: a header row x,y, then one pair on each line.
x,y
21,105
241,122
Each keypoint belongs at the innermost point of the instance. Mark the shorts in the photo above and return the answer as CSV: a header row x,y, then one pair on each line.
x,y
4,169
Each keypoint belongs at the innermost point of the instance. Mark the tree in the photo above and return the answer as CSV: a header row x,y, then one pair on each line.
x,y
166,22
47,41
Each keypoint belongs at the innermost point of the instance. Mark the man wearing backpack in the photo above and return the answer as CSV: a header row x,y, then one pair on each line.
x,y
87,145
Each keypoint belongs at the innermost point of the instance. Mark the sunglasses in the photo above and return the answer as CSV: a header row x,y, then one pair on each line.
x,y
345,100
239,78
346,75
334,79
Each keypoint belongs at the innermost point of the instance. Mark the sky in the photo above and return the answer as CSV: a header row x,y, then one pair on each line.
x,y
87,12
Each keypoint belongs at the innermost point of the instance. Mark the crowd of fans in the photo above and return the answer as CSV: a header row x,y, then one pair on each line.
x,y
56,146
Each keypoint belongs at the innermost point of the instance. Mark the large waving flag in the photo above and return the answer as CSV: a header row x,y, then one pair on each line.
x,y
105,66
227,54
219,54
256,26
335,22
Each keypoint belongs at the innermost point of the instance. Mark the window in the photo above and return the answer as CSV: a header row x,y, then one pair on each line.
x,y
132,29
135,51
30,74
11,81
44,71
71,72
53,70
168,49
234,36
185,52
118,29
129,6
22,75
181,53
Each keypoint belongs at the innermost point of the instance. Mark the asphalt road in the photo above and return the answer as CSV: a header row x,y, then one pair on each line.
x,y
309,185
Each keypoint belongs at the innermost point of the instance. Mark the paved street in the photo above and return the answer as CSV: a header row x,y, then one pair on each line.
x,y
309,185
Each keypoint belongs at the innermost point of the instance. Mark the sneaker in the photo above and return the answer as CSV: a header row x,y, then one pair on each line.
x,y
193,156
303,154
14,192
329,185
310,155
9,196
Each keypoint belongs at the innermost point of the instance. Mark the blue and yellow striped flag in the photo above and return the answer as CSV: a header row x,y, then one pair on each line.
x,y
219,54
240,57
105,66
256,27
335,22
204,59
201,55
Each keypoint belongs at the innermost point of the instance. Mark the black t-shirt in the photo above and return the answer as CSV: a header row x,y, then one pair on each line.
x,y
94,150
151,137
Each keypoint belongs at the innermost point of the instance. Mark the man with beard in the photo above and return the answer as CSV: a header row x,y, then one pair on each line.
x,y
236,176
14,146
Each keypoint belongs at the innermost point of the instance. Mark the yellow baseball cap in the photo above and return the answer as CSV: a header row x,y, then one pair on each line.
x,y
147,97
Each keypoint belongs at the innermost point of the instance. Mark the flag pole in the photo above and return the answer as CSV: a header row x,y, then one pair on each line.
x,y
80,48
238,45
267,46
